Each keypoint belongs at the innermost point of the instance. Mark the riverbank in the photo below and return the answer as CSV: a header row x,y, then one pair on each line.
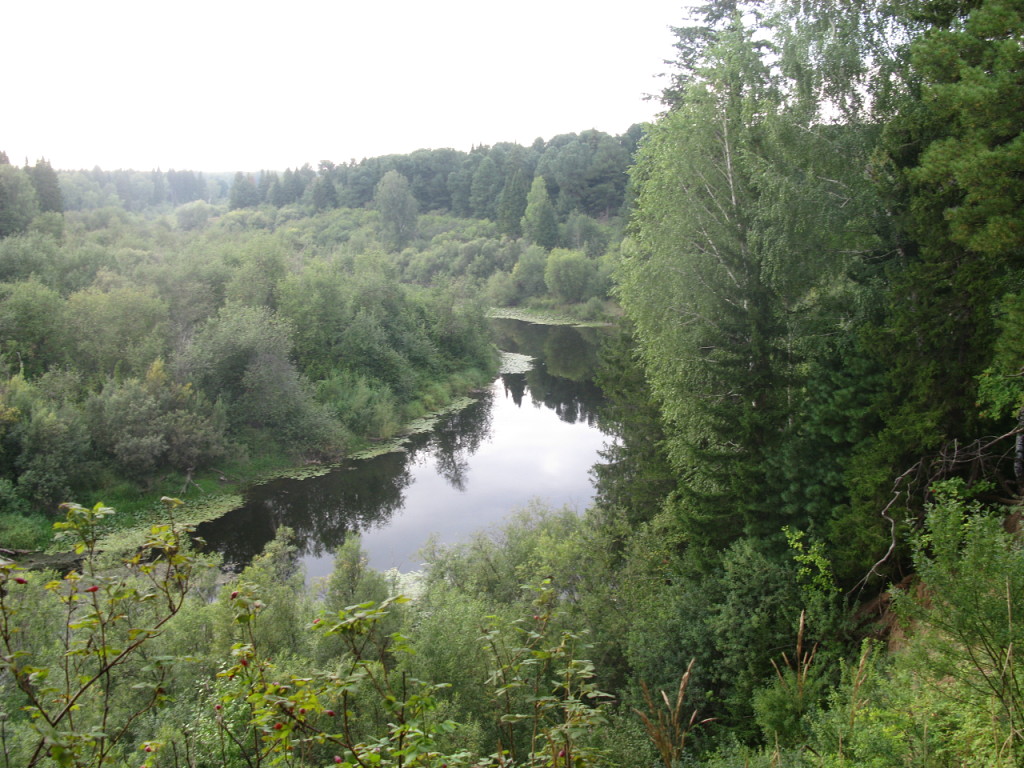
x,y
539,316
211,494
216,490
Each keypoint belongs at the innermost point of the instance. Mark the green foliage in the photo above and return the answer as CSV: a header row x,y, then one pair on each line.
x,y
570,275
512,203
31,254
243,192
970,72
634,475
31,326
782,708
148,424
398,209
47,187
699,290
75,710
46,445
18,201
538,682
539,224
1000,389
823,277
242,357
529,272
974,575
193,216
117,330
484,189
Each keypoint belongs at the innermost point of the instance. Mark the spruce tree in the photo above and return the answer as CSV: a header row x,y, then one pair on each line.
x,y
539,223
512,204
47,186
243,193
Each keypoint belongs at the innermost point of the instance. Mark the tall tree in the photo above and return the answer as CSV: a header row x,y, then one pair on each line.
x,y
539,224
484,189
47,187
736,265
325,196
512,203
951,172
398,209
243,193
18,203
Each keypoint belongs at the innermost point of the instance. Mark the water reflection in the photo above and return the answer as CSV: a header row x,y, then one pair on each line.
x,y
531,435
566,357
322,511
359,496
457,438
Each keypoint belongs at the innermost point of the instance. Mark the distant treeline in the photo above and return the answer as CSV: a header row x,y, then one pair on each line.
x,y
584,172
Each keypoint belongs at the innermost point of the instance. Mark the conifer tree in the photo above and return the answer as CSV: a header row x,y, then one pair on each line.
x,y
484,189
951,173
243,193
539,223
512,203
18,203
47,186
737,266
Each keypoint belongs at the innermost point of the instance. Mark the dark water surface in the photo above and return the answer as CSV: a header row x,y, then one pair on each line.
x,y
531,436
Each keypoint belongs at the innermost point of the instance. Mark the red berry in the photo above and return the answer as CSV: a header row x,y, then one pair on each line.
x,y
149,749
93,588
234,594
337,758
244,662
21,579
217,707
278,726
329,713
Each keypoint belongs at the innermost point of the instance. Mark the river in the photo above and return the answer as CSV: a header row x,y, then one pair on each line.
x,y
532,437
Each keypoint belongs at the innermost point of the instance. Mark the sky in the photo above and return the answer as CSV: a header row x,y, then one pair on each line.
x,y
222,86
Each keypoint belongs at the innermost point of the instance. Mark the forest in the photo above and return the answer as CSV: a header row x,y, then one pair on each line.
x,y
805,545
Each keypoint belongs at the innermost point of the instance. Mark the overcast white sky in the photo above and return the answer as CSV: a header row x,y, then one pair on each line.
x,y
220,85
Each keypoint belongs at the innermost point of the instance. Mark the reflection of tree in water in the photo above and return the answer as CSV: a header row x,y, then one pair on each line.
x,y
562,379
572,401
321,510
457,437
569,355
515,385
566,351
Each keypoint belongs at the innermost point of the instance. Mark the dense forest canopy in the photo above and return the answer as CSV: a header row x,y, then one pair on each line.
x,y
805,547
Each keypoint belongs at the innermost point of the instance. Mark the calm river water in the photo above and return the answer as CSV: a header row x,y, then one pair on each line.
x,y
531,436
